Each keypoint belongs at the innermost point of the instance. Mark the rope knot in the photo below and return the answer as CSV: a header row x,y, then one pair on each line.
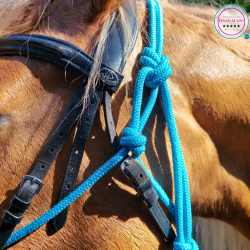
x,y
186,246
160,69
134,141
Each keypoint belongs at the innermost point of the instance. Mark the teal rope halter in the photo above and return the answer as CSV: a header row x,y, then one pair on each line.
x,y
153,74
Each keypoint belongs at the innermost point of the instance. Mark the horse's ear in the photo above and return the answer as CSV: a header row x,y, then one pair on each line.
x,y
102,8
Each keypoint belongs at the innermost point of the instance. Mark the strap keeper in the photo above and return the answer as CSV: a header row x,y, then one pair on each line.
x,y
32,181
144,188
19,204
11,218
151,199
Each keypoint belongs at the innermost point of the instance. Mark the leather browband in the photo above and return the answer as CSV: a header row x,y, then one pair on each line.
x,y
68,55
59,52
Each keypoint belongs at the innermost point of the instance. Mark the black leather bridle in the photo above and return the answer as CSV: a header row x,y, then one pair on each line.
x,y
73,58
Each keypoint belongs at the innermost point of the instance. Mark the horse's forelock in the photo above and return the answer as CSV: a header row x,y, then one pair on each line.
x,y
24,15
98,7
20,16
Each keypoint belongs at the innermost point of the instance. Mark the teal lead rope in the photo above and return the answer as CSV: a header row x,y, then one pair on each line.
x,y
154,74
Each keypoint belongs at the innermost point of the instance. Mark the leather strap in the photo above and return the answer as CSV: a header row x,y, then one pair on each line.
x,y
118,42
119,45
32,183
110,124
59,52
132,168
115,55
77,150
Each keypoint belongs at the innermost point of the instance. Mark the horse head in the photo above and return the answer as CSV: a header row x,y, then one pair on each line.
x,y
209,88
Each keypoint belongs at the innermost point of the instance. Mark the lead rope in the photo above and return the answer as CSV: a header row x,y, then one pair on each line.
x,y
154,74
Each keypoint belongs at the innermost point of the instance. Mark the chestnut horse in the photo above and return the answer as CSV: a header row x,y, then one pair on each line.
x,y
209,86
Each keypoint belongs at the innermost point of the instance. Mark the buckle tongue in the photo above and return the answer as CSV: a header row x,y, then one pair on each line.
x,y
32,181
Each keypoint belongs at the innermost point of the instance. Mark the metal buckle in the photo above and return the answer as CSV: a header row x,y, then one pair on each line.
x,y
32,181
130,160
124,164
